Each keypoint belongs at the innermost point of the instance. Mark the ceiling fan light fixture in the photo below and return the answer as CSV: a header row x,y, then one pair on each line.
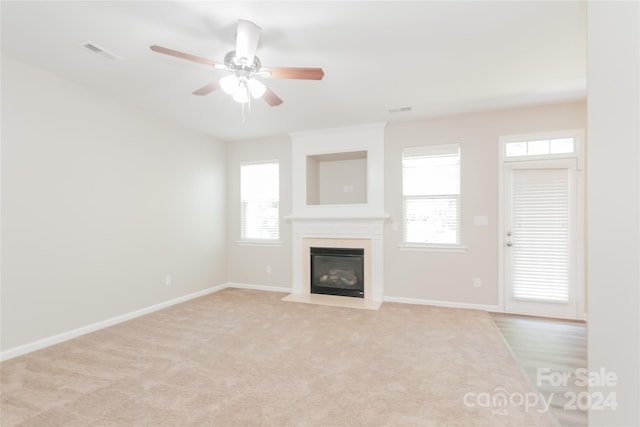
x,y
241,88
230,84
256,88
242,93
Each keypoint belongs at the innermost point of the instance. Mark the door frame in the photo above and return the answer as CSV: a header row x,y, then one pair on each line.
x,y
579,155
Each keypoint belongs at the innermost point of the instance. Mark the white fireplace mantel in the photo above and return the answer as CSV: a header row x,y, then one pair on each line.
x,y
337,218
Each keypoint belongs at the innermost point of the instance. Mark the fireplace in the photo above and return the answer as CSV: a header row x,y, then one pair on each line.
x,y
337,271
338,202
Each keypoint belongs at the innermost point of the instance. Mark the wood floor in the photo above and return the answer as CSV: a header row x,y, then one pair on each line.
x,y
547,351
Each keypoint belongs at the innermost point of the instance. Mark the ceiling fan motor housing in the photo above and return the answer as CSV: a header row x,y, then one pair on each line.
x,y
240,66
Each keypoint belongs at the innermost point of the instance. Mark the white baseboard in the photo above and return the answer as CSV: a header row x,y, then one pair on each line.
x,y
258,287
65,336
448,304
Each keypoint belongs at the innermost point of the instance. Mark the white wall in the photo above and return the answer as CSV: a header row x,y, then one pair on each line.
x,y
335,175
613,205
248,263
99,202
448,276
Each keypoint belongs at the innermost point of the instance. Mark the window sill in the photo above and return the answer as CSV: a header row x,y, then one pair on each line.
x,y
426,247
267,243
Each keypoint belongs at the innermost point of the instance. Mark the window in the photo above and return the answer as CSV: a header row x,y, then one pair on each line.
x,y
431,194
540,147
260,200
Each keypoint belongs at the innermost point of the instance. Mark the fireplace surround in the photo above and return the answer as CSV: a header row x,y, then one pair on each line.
x,y
370,246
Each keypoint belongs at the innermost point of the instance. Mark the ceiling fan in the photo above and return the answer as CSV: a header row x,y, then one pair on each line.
x,y
245,66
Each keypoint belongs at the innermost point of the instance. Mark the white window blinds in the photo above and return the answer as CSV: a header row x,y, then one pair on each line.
x,y
260,200
431,194
541,235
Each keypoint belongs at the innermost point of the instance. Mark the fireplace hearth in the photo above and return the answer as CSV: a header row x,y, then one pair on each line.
x,y
337,271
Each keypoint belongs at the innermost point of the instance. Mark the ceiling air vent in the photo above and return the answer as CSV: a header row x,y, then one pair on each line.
x,y
100,51
399,110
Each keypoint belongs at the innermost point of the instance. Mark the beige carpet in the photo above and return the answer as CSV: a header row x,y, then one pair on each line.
x,y
246,358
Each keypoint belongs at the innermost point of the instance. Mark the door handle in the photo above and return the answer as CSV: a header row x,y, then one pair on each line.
x,y
509,244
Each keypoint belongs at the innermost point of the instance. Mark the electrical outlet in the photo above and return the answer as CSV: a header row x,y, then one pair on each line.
x,y
168,280
268,269
477,283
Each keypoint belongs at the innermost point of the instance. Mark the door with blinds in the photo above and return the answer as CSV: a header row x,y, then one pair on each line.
x,y
540,238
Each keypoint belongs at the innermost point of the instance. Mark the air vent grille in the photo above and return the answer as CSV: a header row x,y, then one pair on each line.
x,y
100,51
399,110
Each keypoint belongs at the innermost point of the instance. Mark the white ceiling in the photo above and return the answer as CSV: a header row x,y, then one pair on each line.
x,y
436,57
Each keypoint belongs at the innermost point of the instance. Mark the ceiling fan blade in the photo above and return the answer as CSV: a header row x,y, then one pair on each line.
x,y
293,73
271,98
247,39
208,88
183,55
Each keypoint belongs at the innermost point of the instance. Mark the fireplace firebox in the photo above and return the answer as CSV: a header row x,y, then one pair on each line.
x,y
337,271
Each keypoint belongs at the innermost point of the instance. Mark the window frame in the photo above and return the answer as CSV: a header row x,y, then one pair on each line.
x,y
256,241
576,134
433,246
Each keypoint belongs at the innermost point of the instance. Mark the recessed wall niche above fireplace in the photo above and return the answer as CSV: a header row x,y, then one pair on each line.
x,y
337,178
338,172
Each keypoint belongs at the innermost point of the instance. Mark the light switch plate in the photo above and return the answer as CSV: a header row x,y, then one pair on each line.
x,y
480,220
